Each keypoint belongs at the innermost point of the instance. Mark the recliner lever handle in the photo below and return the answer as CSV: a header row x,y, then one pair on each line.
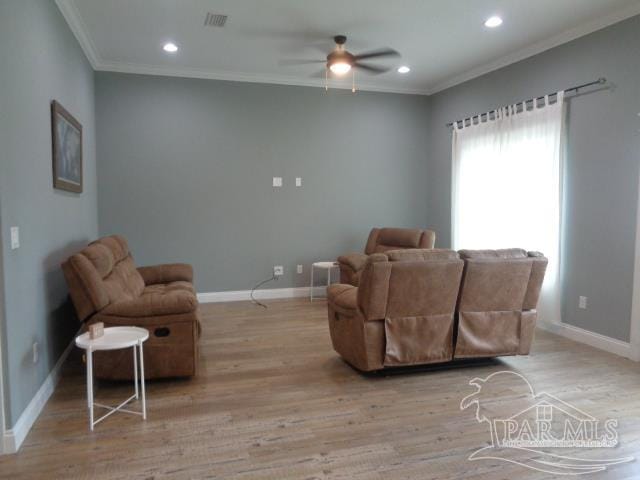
x,y
162,332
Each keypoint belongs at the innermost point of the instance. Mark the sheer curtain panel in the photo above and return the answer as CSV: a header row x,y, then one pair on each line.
x,y
507,186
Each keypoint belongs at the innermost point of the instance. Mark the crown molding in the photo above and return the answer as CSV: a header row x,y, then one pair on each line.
x,y
536,48
167,71
72,15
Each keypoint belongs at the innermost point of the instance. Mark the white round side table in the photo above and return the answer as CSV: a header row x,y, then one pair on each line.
x,y
115,338
324,266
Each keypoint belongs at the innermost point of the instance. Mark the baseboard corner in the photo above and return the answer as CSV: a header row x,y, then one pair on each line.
x,y
13,438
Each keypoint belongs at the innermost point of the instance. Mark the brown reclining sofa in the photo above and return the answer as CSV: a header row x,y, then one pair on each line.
x,y
431,306
382,240
106,286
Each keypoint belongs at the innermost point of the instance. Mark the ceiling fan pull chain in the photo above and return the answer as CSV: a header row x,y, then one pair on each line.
x,y
326,80
353,80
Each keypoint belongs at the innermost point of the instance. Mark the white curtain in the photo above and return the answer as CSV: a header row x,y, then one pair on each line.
x,y
507,187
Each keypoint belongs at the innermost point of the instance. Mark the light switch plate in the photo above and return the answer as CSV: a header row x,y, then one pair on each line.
x,y
15,238
277,181
299,269
298,181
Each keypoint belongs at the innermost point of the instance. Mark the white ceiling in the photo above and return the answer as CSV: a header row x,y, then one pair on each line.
x,y
443,41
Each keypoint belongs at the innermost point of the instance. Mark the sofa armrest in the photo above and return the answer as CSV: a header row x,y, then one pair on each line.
x,y
356,261
169,272
343,297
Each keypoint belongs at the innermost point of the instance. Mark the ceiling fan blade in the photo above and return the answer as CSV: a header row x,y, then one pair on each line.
x,y
371,68
292,62
383,52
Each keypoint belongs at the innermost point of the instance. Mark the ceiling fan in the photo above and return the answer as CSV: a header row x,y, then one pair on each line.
x,y
340,61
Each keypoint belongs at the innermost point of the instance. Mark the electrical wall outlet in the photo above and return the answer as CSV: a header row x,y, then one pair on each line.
x,y
298,181
278,271
15,238
277,181
582,302
299,269
34,349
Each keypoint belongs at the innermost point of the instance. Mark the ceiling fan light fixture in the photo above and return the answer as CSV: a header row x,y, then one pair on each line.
x,y
404,69
340,68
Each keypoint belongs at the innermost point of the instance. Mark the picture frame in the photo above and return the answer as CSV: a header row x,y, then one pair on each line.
x,y
66,136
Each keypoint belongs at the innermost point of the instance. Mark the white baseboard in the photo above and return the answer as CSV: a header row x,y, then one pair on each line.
x,y
13,438
267,294
602,342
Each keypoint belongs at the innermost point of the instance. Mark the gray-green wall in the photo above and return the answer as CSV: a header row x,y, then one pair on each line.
x,y
601,169
41,61
185,172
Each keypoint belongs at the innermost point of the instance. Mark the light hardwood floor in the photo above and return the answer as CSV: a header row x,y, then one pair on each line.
x,y
273,401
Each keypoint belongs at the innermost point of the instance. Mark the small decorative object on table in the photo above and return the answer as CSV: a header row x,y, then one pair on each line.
x,y
324,266
96,330
115,338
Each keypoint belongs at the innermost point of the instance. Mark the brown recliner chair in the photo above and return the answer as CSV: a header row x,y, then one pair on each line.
x,y
402,313
412,308
105,286
382,240
497,305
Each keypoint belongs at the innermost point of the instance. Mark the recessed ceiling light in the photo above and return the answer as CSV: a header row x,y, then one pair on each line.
x,y
493,22
404,69
170,47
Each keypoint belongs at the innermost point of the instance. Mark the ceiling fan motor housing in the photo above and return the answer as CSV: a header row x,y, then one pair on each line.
x,y
340,39
341,56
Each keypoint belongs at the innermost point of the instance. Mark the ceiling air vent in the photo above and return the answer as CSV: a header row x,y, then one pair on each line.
x,y
215,20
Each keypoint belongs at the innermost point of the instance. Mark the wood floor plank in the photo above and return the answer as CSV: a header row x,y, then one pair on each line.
x,y
273,401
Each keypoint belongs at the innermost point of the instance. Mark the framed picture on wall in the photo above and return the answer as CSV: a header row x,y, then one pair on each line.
x,y
66,133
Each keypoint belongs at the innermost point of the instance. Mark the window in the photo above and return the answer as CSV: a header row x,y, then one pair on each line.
x,y
507,187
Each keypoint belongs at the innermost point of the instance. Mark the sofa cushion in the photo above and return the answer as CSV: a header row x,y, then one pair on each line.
x,y
422,254
100,257
170,299
116,244
169,287
500,253
102,273
399,237
124,281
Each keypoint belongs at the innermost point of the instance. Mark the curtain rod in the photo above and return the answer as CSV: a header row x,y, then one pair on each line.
x,y
600,81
